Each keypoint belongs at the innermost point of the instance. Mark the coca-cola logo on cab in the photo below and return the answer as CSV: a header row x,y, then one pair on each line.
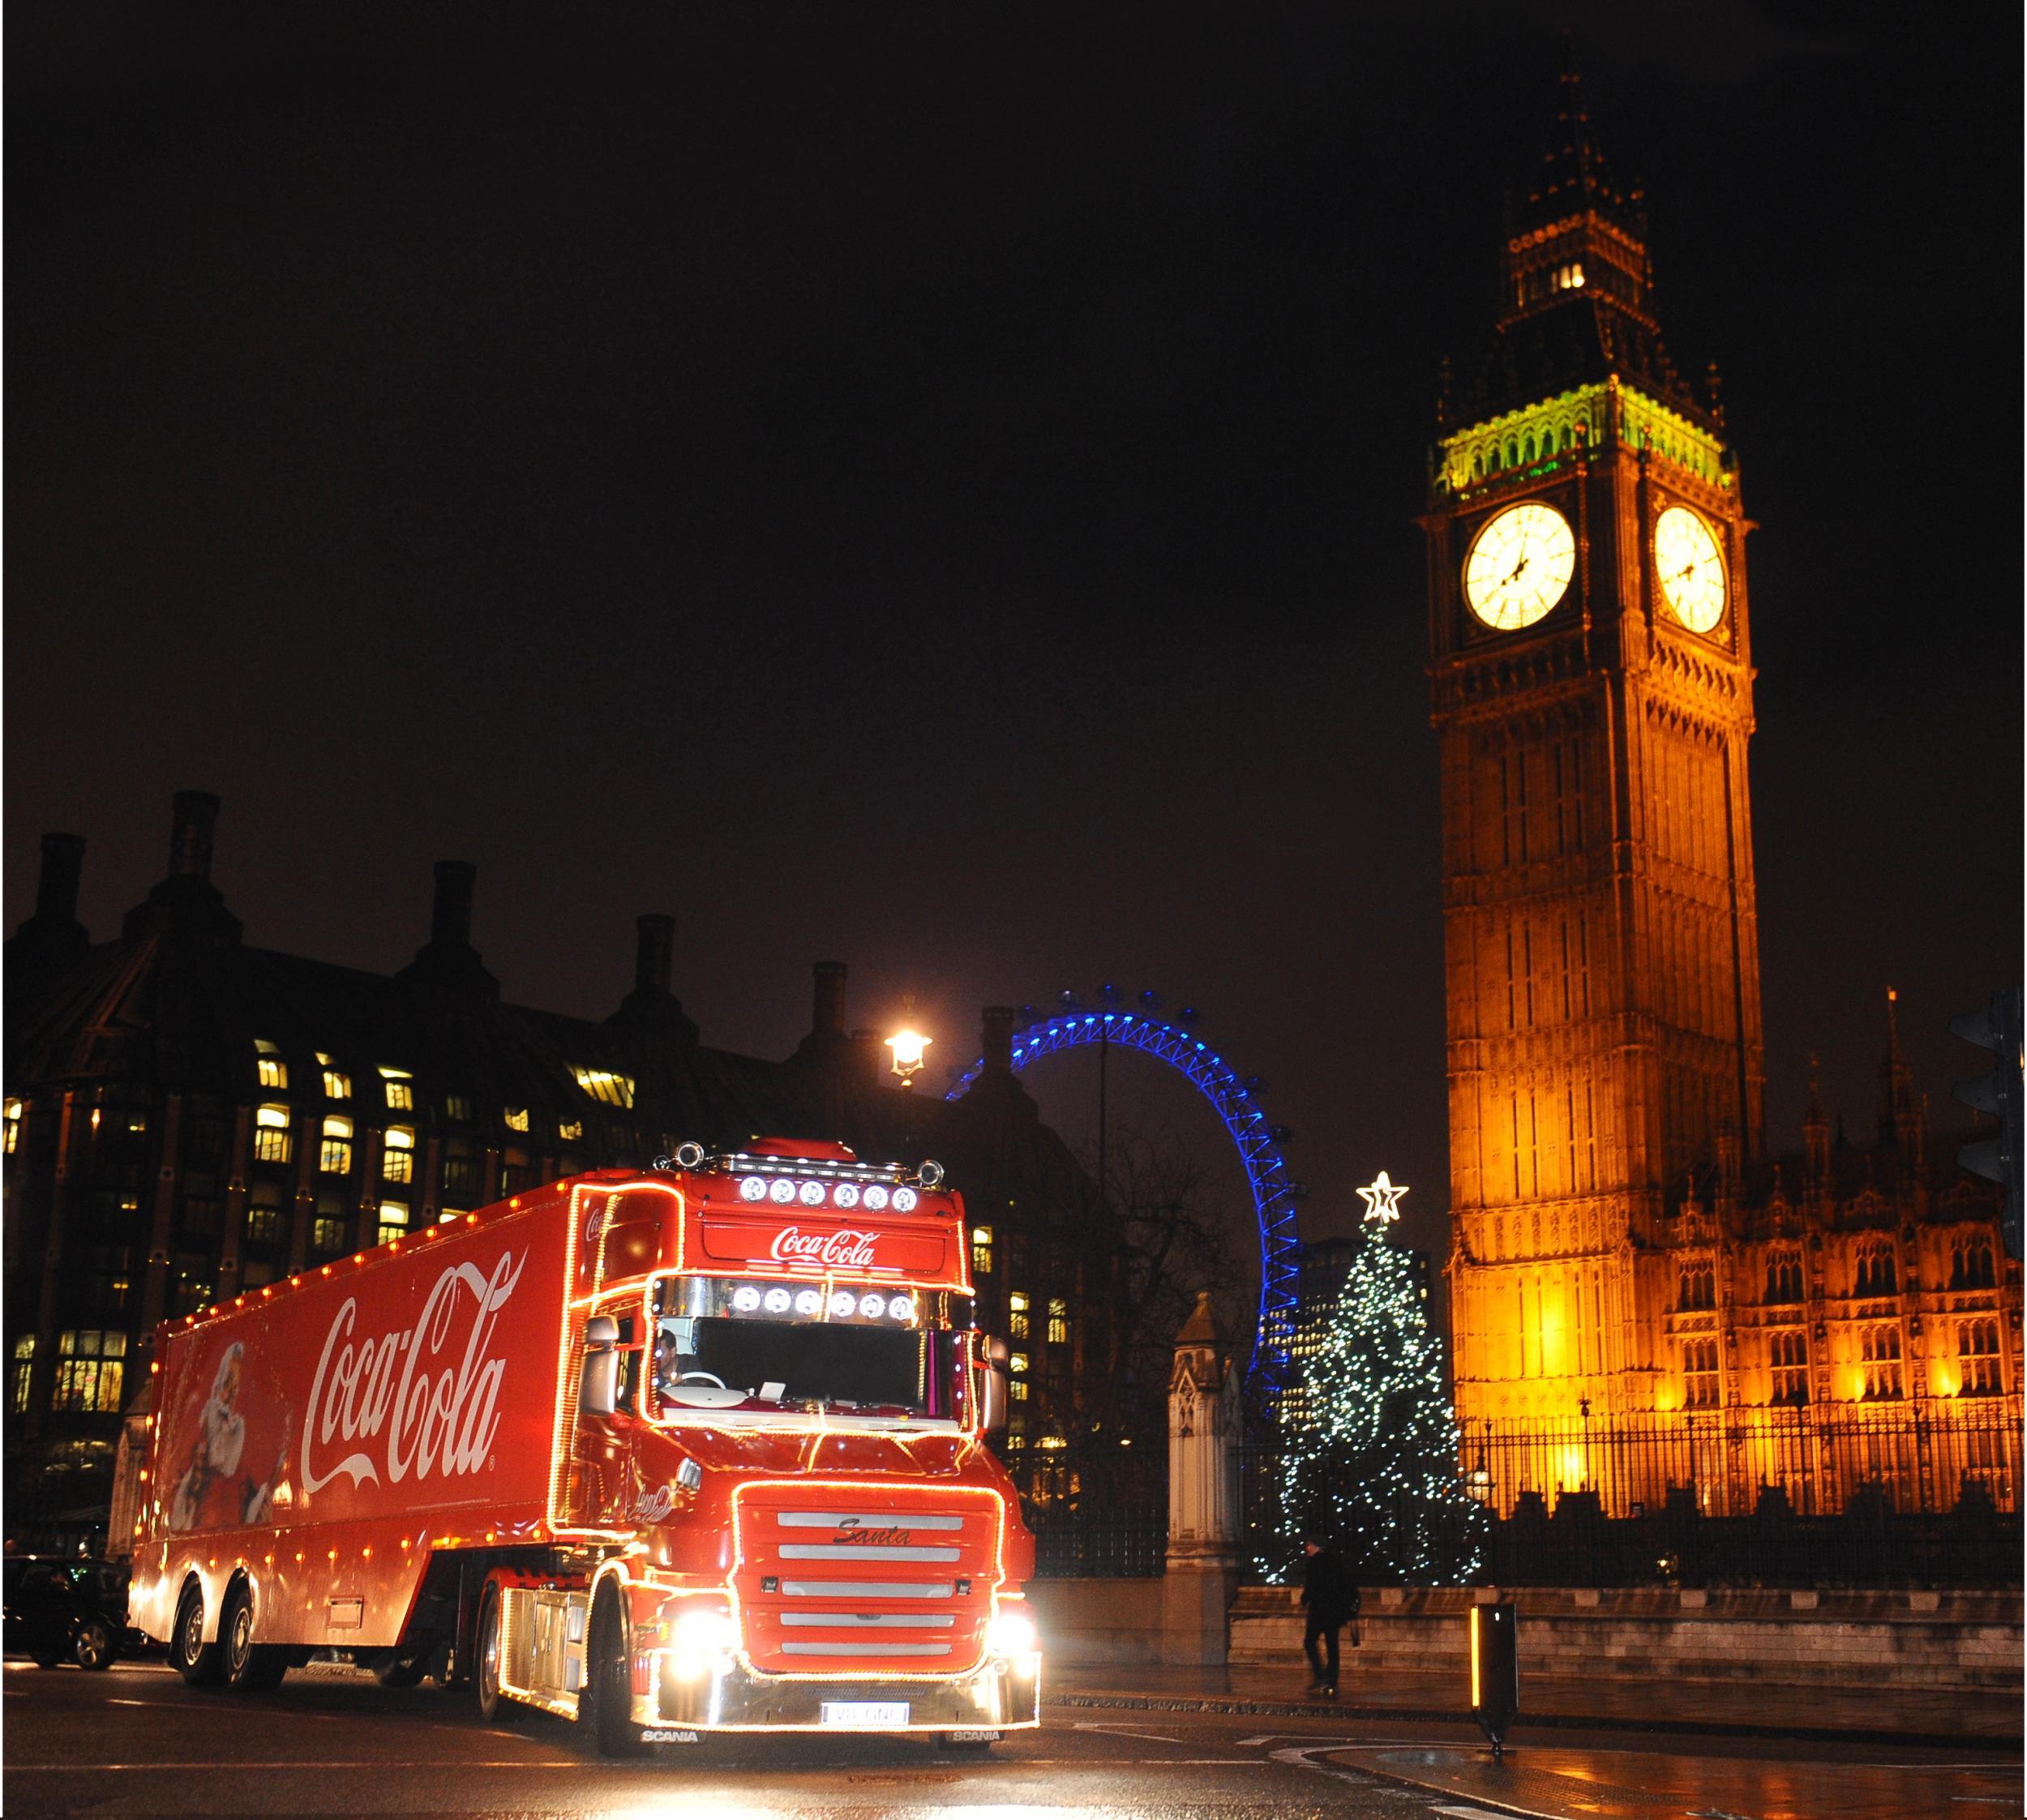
x,y
425,1400
845,1248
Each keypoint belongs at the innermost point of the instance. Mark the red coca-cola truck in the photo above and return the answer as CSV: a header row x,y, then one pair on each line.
x,y
695,1450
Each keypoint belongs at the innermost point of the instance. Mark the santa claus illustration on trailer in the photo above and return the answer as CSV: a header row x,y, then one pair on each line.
x,y
212,1492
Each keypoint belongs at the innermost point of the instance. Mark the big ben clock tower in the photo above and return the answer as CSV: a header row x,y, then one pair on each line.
x,y
1590,669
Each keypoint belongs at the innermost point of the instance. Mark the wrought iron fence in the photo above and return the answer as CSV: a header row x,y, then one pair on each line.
x,y
1095,1512
1919,1458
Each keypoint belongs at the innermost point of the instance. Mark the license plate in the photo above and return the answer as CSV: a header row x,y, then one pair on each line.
x,y
869,1714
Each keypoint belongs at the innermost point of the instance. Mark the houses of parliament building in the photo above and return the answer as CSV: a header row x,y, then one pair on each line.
x,y
1644,1300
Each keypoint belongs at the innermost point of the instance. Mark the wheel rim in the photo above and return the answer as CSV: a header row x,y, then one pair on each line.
x,y
242,1636
194,1632
489,1656
91,1645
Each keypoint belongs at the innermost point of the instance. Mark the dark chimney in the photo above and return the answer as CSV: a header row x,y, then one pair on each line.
x,y
451,916
56,891
196,819
827,1017
999,1039
448,961
654,953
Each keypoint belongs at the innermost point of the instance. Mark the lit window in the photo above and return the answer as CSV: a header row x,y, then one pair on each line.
x,y
89,1367
1058,1321
981,1241
14,1126
274,1071
1017,1317
516,1117
400,1089
1880,1355
271,1134
393,1219
1018,1388
1017,1362
614,1089
136,1124
457,1107
327,1236
335,1157
1569,277
1978,1346
264,1220
1788,1354
572,1133
23,1372
398,1164
337,1086
1699,1374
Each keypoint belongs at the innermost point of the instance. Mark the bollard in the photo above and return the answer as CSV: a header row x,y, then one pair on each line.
x,y
1495,1672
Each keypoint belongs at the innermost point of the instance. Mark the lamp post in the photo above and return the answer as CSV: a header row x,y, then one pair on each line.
x,y
907,1046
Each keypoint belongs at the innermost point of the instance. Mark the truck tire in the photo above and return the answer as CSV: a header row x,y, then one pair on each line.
x,y
194,1659
494,1707
96,1646
245,1666
605,1703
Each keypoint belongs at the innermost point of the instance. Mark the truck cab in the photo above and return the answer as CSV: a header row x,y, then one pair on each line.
x,y
773,1507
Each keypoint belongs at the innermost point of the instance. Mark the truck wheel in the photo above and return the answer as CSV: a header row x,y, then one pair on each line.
x,y
605,1703
194,1659
494,1707
245,1666
95,1647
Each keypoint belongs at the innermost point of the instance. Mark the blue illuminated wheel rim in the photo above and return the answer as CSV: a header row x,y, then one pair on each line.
x,y
1236,1100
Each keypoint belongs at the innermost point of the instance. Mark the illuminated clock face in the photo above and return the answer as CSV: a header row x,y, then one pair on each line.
x,y
1691,571
1519,566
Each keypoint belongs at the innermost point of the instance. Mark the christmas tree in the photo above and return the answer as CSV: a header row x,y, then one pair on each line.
x,y
1375,1467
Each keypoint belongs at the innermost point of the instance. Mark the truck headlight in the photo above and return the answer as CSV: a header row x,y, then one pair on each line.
x,y
703,1642
1009,1633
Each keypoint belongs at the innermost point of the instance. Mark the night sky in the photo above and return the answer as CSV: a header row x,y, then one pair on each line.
x,y
933,488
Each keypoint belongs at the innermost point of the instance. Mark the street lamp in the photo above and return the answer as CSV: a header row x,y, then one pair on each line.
x,y
907,1046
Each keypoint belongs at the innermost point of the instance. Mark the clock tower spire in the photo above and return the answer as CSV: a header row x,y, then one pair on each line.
x,y
1591,681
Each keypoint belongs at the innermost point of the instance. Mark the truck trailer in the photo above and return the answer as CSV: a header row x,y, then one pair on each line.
x,y
695,1450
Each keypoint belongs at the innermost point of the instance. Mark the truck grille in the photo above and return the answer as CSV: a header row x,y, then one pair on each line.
x,y
914,1594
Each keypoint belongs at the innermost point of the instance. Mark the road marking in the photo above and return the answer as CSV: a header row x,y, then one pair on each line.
x,y
129,1703
377,1763
1265,1737
1469,1813
1120,1731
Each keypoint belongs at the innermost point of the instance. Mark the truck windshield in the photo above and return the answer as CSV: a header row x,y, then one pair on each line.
x,y
705,1362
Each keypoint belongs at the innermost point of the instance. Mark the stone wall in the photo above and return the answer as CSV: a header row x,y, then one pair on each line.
x,y
1848,1640
1116,1622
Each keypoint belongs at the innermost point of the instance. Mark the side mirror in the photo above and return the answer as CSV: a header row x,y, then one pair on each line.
x,y
992,1386
598,1389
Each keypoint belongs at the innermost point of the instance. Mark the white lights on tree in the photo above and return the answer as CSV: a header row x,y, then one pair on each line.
x,y
1376,1466
1382,1200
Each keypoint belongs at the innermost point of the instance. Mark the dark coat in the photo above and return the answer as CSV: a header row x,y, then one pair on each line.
x,y
1328,1589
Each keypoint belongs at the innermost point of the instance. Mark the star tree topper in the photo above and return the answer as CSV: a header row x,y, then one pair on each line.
x,y
1382,1200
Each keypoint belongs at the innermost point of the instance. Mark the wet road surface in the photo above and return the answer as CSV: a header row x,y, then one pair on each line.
x,y
137,1742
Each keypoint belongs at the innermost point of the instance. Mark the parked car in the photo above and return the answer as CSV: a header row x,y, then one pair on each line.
x,y
65,1608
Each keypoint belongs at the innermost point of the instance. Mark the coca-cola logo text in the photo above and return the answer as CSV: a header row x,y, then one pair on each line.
x,y
388,1391
845,1248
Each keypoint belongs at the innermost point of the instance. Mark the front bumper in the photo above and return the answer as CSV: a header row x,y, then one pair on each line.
x,y
1003,1693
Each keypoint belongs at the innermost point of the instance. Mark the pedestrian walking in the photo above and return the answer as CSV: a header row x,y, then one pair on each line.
x,y
1330,1599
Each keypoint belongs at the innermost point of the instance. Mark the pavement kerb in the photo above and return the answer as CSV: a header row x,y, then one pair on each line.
x,y
1576,1722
